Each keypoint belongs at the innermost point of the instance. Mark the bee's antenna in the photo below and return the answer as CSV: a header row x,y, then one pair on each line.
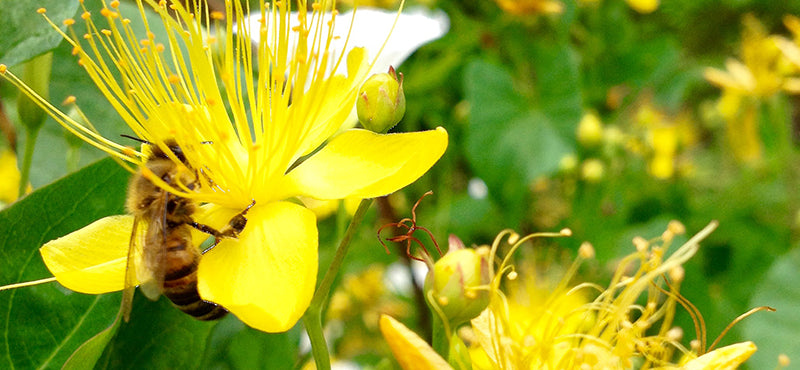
x,y
136,139
207,142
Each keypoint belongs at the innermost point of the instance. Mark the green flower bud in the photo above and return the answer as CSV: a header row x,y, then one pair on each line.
x,y
36,74
381,102
458,283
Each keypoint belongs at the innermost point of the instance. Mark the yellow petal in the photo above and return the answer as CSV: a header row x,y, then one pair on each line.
x,y
363,164
728,357
9,187
267,276
410,351
91,260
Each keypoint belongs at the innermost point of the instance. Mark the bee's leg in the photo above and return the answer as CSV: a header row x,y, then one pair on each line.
x,y
231,230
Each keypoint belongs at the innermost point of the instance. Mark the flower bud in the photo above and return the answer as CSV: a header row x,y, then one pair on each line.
x,y
36,74
590,130
381,102
592,170
458,283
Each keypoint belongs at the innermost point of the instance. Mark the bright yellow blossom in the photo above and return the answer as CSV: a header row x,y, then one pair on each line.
x,y
258,120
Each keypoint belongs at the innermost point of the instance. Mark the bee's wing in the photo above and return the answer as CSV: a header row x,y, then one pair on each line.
x,y
153,268
134,249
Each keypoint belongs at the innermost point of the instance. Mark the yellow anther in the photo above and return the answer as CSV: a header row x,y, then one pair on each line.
x,y
69,100
159,47
3,68
41,10
640,243
211,101
86,15
75,50
130,152
105,12
565,232
114,4
586,250
216,15
677,273
106,32
69,22
144,42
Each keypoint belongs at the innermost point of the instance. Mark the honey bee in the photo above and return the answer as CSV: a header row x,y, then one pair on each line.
x,y
169,257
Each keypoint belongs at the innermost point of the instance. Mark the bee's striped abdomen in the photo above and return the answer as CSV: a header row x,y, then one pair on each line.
x,y
180,280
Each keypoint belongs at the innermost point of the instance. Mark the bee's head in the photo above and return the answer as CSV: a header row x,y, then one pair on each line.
x,y
157,153
173,146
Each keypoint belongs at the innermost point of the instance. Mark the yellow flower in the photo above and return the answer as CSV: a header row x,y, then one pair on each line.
x,y
643,6
532,324
526,7
769,64
268,139
560,328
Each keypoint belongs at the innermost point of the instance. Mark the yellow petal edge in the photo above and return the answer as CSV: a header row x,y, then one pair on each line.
x,y
91,260
362,164
411,351
728,357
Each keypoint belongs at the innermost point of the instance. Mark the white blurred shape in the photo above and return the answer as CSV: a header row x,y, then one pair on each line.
x,y
477,189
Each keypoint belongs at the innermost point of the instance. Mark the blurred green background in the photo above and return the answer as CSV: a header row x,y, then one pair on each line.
x,y
601,117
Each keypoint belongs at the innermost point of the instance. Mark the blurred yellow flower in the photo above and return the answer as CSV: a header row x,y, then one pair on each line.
x,y
665,140
9,172
245,134
528,7
643,6
769,65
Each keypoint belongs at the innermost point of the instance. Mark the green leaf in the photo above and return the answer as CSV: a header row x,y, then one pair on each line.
x,y
90,351
234,345
776,332
507,145
158,336
26,34
44,324
558,85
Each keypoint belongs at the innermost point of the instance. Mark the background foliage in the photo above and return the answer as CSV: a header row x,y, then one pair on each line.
x,y
511,90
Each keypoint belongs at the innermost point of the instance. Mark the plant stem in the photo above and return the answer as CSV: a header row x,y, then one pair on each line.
x,y
27,159
439,341
313,316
